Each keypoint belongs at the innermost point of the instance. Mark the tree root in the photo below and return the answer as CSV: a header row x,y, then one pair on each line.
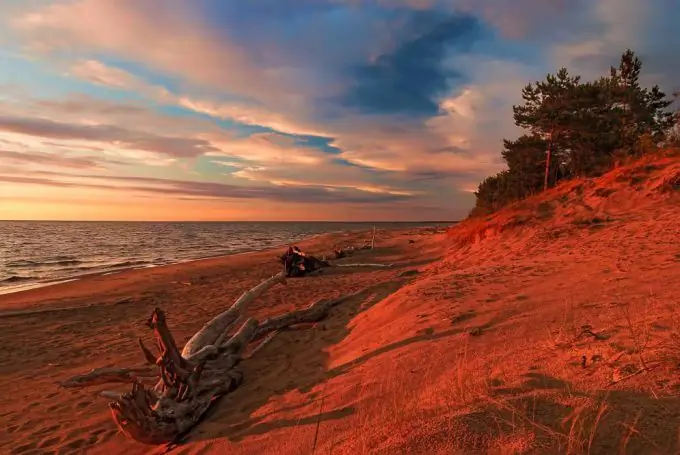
x,y
101,376
190,381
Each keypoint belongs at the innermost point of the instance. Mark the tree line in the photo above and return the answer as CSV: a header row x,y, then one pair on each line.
x,y
576,129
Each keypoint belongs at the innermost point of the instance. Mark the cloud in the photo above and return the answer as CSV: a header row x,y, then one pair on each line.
x,y
321,178
411,78
266,148
49,159
249,115
202,53
177,147
208,190
647,28
520,19
99,73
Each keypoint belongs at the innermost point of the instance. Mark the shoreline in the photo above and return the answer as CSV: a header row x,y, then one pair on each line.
x,y
48,296
57,280
10,290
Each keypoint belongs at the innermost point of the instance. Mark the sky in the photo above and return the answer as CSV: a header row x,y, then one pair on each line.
x,y
286,109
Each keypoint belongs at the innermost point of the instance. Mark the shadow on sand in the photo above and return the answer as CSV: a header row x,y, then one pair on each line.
x,y
564,420
297,360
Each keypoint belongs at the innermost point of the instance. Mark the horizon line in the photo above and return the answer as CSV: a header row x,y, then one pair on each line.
x,y
224,221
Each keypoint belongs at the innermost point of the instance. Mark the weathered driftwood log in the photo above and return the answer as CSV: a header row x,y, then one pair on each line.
x,y
365,265
210,332
185,390
263,343
100,376
189,382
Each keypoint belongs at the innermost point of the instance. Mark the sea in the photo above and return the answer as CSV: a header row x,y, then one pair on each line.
x,y
40,253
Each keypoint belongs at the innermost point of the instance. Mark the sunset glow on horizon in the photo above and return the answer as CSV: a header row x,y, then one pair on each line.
x,y
286,110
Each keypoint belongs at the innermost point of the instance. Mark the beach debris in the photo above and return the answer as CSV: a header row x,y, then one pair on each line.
x,y
343,252
296,263
214,331
378,266
189,381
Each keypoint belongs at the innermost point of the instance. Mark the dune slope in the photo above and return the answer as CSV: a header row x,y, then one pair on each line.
x,y
550,327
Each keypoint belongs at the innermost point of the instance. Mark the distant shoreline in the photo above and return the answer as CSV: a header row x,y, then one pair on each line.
x,y
232,222
39,285
314,241
24,273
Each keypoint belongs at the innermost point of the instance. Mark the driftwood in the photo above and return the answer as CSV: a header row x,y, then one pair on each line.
x,y
365,265
222,322
108,375
188,382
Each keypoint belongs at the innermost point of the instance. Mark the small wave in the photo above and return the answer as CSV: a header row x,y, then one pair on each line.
x,y
26,264
126,264
64,263
63,258
17,279
20,263
109,266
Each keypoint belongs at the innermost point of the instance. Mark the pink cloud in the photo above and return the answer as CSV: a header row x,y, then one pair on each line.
x,y
170,39
99,73
54,160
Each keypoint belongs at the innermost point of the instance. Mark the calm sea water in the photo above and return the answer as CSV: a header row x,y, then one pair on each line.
x,y
39,253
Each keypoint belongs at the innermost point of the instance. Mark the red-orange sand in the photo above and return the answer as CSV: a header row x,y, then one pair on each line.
x,y
469,345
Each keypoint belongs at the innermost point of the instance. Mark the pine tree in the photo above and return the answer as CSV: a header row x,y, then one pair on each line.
x,y
548,113
526,158
584,126
641,111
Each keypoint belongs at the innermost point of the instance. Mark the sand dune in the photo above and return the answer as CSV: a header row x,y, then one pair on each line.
x,y
506,335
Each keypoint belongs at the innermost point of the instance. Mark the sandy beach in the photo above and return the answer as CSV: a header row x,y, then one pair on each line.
x,y
548,327
53,332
